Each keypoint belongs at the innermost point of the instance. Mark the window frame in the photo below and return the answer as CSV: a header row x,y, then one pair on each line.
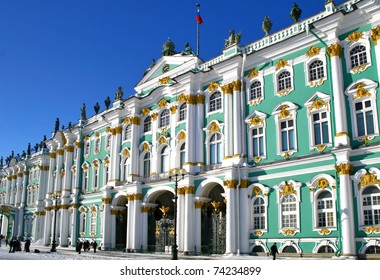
x,y
280,69
349,45
164,122
182,112
361,91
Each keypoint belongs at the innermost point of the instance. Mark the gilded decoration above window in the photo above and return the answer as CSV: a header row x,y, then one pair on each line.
x,y
355,36
281,64
253,74
213,86
313,51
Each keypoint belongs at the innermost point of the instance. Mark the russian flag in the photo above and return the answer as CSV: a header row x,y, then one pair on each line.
x,y
198,18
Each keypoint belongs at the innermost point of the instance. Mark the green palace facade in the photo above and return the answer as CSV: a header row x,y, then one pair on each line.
x,y
278,141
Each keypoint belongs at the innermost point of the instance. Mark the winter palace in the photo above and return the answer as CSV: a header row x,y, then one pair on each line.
x,y
274,141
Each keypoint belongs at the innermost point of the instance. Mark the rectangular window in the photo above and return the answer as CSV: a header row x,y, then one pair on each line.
x,y
321,128
364,118
287,135
258,142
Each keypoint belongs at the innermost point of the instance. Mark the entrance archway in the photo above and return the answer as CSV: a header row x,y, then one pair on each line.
x,y
121,215
213,221
160,222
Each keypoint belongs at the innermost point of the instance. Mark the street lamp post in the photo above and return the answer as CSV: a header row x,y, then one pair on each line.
x,y
176,175
54,243
1,222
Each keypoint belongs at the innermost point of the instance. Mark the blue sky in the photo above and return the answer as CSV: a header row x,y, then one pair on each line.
x,y
57,54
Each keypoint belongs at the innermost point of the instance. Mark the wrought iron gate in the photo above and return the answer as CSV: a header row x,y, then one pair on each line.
x,y
217,229
164,234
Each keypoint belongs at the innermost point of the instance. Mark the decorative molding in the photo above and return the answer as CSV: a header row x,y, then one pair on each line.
x,y
253,73
107,200
281,64
375,35
289,232
181,136
258,233
372,230
313,51
256,191
287,189
369,179
230,184
213,86
164,81
318,104
355,36
162,103
145,111
344,169
173,109
322,183
214,127
324,231
284,113
334,50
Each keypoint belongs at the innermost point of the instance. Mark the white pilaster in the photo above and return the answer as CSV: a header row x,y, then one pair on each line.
x,y
243,218
189,220
228,129
340,114
237,118
230,216
137,217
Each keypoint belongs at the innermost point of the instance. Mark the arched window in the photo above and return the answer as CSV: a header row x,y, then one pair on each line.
x,y
147,124
108,141
284,81
182,112
255,90
289,249
289,211
215,101
165,118
215,148
325,210
316,70
96,178
258,213
85,180
373,250
82,224
128,132
182,155
164,158
358,56
146,165
106,173
97,145
87,148
325,249
371,206
126,168
93,221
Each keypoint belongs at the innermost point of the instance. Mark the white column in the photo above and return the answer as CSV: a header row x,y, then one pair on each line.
x,y
189,220
199,139
13,188
130,225
347,211
197,225
375,39
173,138
340,114
237,118
8,191
65,214
115,154
137,218
144,227
134,151
107,223
153,160
228,119
181,218
230,217
191,136
48,224
244,217
58,176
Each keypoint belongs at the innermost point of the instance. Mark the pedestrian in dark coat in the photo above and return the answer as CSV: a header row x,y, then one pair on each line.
x,y
79,246
27,246
273,250
11,246
95,245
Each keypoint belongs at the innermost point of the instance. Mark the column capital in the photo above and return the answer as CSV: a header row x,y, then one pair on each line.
x,y
344,169
334,50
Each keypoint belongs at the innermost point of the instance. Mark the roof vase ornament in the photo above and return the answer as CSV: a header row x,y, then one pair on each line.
x,y
168,48
107,102
97,108
267,25
295,12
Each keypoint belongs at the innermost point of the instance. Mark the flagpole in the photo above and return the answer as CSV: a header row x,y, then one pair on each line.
x,y
198,30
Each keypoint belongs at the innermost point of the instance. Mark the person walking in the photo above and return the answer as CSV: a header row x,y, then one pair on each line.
x,y
94,245
274,250
27,245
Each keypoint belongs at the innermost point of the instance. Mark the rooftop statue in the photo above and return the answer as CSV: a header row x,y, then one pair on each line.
x,y
295,12
188,50
56,128
119,93
168,48
267,25
233,39
83,112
